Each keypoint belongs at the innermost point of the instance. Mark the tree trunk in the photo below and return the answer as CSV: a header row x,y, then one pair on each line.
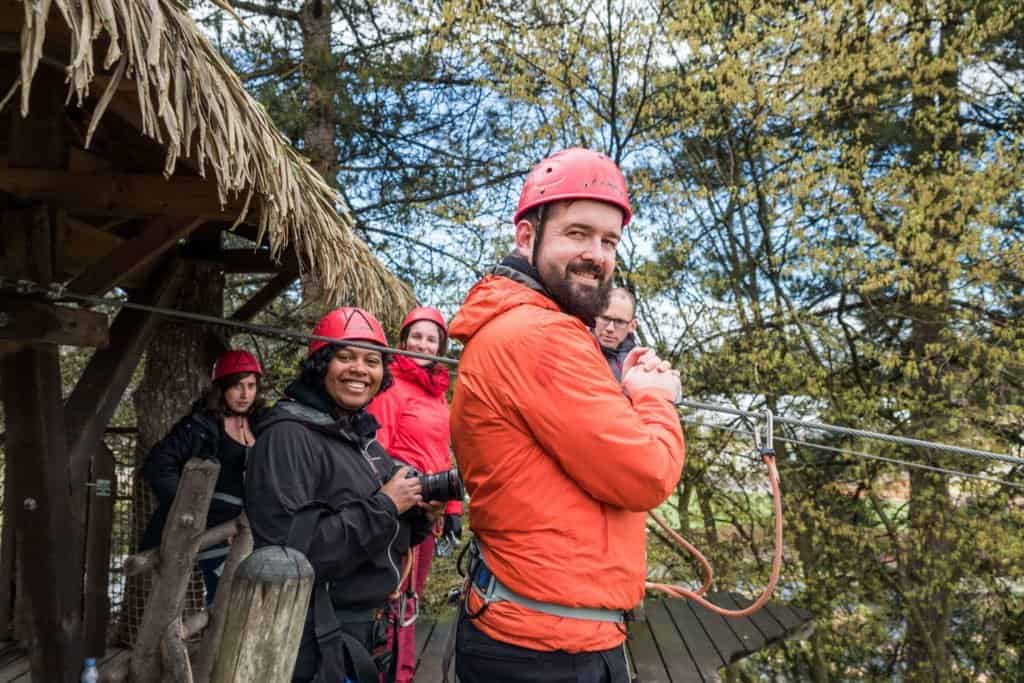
x,y
319,69
177,371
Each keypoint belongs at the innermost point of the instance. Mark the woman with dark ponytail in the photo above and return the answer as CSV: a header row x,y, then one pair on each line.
x,y
220,427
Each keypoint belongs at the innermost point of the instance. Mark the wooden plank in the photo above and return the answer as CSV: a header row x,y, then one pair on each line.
x,y
134,255
784,615
678,663
431,660
647,660
14,669
120,194
748,634
262,298
99,533
49,558
37,322
702,649
424,627
729,646
769,628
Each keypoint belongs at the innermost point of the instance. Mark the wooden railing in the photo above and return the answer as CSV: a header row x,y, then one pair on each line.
x,y
252,630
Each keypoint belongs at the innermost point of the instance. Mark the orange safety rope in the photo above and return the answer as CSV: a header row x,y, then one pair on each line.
x,y
697,595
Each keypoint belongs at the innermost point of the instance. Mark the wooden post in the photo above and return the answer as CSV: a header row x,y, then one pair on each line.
x,y
102,494
37,459
241,548
178,547
266,613
7,578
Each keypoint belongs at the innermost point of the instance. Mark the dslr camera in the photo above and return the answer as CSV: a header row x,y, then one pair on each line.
x,y
443,486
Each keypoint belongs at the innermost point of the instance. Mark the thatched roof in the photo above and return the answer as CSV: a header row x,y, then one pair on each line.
x,y
192,103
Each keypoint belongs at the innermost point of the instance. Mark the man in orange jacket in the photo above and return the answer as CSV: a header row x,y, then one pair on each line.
x,y
560,461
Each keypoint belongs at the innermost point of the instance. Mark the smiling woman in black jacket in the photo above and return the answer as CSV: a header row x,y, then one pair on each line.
x,y
220,427
319,482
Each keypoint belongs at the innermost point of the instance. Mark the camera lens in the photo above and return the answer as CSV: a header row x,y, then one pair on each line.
x,y
443,486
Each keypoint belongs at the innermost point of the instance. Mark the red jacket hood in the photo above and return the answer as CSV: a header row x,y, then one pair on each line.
x,y
488,299
433,380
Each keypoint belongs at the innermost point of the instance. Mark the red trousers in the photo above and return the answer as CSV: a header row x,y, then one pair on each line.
x,y
422,556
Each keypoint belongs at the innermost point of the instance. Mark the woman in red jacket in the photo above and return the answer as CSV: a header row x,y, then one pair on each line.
x,y
413,416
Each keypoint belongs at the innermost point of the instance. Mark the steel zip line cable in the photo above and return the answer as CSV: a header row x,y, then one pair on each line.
x,y
860,454
58,292
860,433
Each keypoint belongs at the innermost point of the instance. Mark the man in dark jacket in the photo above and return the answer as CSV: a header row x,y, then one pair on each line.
x,y
320,483
614,328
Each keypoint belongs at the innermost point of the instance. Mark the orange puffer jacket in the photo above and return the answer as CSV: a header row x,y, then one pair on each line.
x,y
559,465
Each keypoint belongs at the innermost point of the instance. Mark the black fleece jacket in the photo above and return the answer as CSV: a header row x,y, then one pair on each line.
x,y
306,451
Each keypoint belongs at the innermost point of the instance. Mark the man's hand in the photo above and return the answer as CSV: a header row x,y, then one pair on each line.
x,y
643,369
433,510
403,492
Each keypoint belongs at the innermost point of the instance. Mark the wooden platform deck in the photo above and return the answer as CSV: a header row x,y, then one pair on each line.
x,y
675,641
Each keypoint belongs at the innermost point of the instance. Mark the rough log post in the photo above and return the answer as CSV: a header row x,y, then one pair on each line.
x,y
266,612
174,654
148,560
178,549
241,548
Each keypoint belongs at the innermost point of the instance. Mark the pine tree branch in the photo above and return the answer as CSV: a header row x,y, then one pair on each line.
x,y
265,10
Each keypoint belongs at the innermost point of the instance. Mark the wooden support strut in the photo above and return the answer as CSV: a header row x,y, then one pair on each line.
x,y
128,258
36,322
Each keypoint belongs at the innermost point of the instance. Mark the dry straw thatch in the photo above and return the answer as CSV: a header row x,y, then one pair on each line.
x,y
193,104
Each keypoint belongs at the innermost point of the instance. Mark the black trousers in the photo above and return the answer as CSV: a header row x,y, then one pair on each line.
x,y
481,659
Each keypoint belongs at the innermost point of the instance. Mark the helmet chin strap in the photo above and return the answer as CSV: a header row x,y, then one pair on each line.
x,y
538,234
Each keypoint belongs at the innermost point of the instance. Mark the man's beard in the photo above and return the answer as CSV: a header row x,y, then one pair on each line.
x,y
583,301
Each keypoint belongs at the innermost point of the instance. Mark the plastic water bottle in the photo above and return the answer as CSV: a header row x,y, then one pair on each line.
x,y
90,674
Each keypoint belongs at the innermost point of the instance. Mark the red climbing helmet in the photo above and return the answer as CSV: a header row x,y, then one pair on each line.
x,y
425,313
348,323
575,173
234,362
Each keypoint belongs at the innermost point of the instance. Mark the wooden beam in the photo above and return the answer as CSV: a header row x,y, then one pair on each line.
x,y
49,556
119,194
102,494
27,243
40,139
241,260
99,389
267,293
126,260
28,321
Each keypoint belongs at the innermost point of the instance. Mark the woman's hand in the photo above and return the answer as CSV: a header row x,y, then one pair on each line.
x,y
403,492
